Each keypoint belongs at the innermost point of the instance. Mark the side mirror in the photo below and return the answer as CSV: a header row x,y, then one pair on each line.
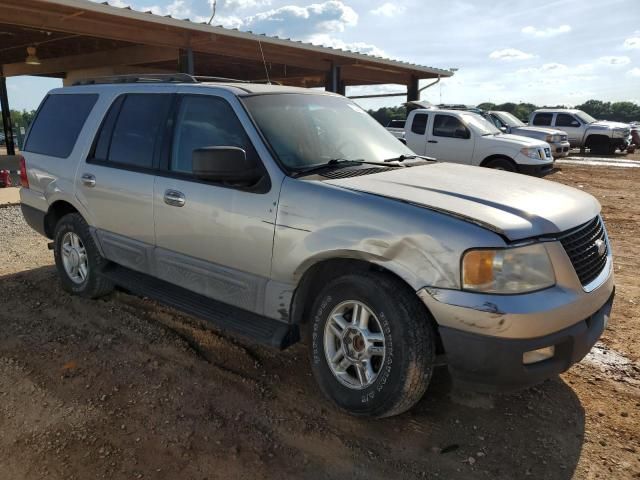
x,y
462,133
403,141
503,129
575,123
224,164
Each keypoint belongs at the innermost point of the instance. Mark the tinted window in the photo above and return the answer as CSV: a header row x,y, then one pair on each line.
x,y
419,124
136,129
205,122
101,149
543,119
446,126
396,123
564,120
58,124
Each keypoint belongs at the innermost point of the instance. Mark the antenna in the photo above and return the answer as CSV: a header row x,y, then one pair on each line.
x,y
264,63
213,13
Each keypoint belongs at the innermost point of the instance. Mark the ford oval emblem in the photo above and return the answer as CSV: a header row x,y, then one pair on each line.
x,y
601,246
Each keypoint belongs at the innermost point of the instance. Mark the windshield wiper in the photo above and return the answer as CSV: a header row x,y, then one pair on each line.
x,y
333,163
402,158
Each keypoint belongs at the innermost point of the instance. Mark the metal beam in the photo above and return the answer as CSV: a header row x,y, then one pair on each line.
x,y
378,95
107,58
6,117
186,64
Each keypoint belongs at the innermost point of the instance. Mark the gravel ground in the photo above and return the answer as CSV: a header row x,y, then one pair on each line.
x,y
125,388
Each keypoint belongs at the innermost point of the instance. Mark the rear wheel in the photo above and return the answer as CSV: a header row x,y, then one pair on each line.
x,y
372,345
502,164
78,260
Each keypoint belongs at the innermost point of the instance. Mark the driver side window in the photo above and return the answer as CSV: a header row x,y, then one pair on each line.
x,y
448,126
205,122
564,120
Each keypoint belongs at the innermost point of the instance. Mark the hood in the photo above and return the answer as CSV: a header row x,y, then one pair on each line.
x,y
541,130
609,125
518,140
513,205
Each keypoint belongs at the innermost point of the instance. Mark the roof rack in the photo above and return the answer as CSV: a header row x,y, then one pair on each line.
x,y
162,78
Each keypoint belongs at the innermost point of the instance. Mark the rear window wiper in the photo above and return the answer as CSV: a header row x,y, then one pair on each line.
x,y
402,158
333,163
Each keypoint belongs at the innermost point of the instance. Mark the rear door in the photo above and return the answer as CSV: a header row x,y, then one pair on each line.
x,y
449,139
213,239
115,184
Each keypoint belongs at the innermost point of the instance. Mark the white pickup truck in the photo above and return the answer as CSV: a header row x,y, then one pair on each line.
x,y
465,137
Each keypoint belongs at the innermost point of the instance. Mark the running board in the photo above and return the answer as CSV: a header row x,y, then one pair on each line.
x,y
227,318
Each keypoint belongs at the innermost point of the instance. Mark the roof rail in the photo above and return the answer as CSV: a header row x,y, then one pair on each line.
x,y
161,78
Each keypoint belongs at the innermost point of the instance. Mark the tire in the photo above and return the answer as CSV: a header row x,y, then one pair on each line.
x,y
599,146
502,164
72,235
405,335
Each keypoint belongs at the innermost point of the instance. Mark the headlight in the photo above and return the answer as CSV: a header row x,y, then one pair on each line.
x,y
548,138
509,270
532,153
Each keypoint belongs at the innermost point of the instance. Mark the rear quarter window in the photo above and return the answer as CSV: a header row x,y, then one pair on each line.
x,y
56,128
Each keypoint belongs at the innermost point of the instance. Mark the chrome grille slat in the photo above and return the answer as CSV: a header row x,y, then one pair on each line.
x,y
580,245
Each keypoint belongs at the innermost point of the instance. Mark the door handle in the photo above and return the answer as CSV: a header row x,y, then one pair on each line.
x,y
174,198
89,180
432,141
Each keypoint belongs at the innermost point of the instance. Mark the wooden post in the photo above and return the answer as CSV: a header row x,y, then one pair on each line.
x,y
186,61
6,117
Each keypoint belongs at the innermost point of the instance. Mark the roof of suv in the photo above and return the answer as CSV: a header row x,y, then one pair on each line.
x,y
553,110
238,88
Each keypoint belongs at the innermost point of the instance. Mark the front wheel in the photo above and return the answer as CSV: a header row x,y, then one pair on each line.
x,y
372,345
502,164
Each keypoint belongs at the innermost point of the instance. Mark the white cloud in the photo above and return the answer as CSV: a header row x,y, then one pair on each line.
x,y
634,72
226,5
177,9
633,42
389,10
614,61
510,54
546,32
361,47
301,22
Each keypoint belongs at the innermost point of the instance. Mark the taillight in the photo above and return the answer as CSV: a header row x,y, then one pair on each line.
x,y
24,180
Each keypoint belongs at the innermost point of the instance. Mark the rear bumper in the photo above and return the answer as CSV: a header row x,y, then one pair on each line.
x,y
34,218
495,364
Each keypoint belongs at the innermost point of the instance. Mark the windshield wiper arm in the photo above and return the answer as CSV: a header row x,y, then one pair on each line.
x,y
402,158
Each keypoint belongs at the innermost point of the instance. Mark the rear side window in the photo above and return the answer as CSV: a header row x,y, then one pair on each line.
x,y
543,119
135,133
57,126
419,125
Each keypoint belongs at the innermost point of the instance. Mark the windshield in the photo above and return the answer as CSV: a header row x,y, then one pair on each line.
x,y
585,117
509,120
480,124
306,130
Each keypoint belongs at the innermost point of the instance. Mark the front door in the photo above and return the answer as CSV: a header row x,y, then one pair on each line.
x,y
449,140
213,239
571,125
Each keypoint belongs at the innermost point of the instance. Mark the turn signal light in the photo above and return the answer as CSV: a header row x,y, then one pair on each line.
x,y
478,267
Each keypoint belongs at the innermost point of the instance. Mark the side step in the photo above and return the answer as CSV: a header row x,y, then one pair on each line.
x,y
227,318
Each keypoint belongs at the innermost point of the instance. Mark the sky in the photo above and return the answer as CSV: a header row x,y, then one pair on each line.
x,y
544,52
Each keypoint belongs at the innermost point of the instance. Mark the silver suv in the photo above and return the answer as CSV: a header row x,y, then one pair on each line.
x,y
274,212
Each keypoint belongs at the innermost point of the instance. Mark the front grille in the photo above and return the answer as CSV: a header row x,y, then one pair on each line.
x,y
581,245
353,172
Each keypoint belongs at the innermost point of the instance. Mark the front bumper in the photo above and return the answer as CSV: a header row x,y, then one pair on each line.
x,y
485,335
537,170
560,149
495,364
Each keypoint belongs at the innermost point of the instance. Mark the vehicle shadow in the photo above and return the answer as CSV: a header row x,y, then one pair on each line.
x,y
228,405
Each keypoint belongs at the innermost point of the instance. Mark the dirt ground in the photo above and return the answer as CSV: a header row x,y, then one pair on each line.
x,y
125,388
